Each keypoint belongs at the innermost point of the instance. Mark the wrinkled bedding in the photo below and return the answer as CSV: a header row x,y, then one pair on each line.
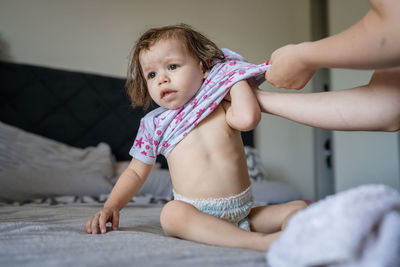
x,y
53,235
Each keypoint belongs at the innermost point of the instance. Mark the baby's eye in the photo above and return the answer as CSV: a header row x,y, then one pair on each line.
x,y
151,75
173,66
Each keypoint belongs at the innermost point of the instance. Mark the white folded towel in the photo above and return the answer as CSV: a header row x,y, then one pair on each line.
x,y
358,227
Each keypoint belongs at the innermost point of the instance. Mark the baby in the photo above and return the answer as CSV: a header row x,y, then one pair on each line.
x,y
205,101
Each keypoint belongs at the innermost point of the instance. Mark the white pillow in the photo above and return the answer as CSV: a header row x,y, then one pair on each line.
x,y
157,184
32,166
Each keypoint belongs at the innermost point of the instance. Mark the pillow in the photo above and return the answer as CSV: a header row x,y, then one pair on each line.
x,y
157,184
32,166
254,164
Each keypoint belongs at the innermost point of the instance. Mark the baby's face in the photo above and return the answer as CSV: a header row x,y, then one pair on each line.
x,y
173,76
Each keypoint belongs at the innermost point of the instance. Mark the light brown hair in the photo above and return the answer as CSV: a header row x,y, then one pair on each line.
x,y
199,46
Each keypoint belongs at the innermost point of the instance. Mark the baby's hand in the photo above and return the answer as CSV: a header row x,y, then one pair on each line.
x,y
100,219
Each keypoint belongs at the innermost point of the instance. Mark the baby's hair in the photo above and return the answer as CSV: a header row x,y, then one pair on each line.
x,y
199,46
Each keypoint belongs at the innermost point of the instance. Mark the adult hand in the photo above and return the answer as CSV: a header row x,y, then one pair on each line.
x,y
288,68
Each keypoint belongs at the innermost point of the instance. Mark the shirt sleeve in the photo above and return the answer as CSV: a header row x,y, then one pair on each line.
x,y
144,146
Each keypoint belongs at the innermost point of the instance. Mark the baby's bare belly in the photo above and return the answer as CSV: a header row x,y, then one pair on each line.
x,y
209,161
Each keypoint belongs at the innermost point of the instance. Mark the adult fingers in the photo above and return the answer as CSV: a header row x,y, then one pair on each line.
x,y
269,77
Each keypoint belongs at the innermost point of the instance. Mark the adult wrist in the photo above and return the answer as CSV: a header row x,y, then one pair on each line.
x,y
307,55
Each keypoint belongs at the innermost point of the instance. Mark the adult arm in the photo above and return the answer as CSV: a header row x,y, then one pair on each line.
x,y
372,43
372,107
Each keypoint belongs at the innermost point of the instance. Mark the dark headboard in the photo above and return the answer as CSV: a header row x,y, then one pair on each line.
x,y
75,108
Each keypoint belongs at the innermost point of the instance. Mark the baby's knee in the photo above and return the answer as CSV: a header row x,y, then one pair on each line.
x,y
294,206
298,205
171,217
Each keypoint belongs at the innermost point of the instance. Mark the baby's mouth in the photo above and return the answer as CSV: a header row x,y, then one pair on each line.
x,y
166,93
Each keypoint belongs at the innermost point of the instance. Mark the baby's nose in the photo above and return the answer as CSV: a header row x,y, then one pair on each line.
x,y
163,78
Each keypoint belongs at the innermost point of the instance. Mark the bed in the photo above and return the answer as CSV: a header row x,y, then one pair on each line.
x,y
65,137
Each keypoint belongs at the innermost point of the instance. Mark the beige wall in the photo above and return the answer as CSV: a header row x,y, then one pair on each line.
x,y
96,36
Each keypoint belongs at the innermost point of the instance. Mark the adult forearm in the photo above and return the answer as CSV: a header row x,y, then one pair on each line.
x,y
310,109
356,109
371,43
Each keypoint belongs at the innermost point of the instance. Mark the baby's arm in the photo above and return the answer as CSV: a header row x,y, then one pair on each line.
x,y
126,187
243,112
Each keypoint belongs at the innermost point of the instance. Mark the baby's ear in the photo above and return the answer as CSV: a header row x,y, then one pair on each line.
x,y
205,73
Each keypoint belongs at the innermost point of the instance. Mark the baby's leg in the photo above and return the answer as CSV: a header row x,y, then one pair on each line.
x,y
183,220
273,218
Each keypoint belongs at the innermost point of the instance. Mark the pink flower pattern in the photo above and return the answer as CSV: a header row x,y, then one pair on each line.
x,y
213,106
157,123
142,128
228,81
194,102
231,74
198,114
148,138
179,117
207,82
139,142
222,73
